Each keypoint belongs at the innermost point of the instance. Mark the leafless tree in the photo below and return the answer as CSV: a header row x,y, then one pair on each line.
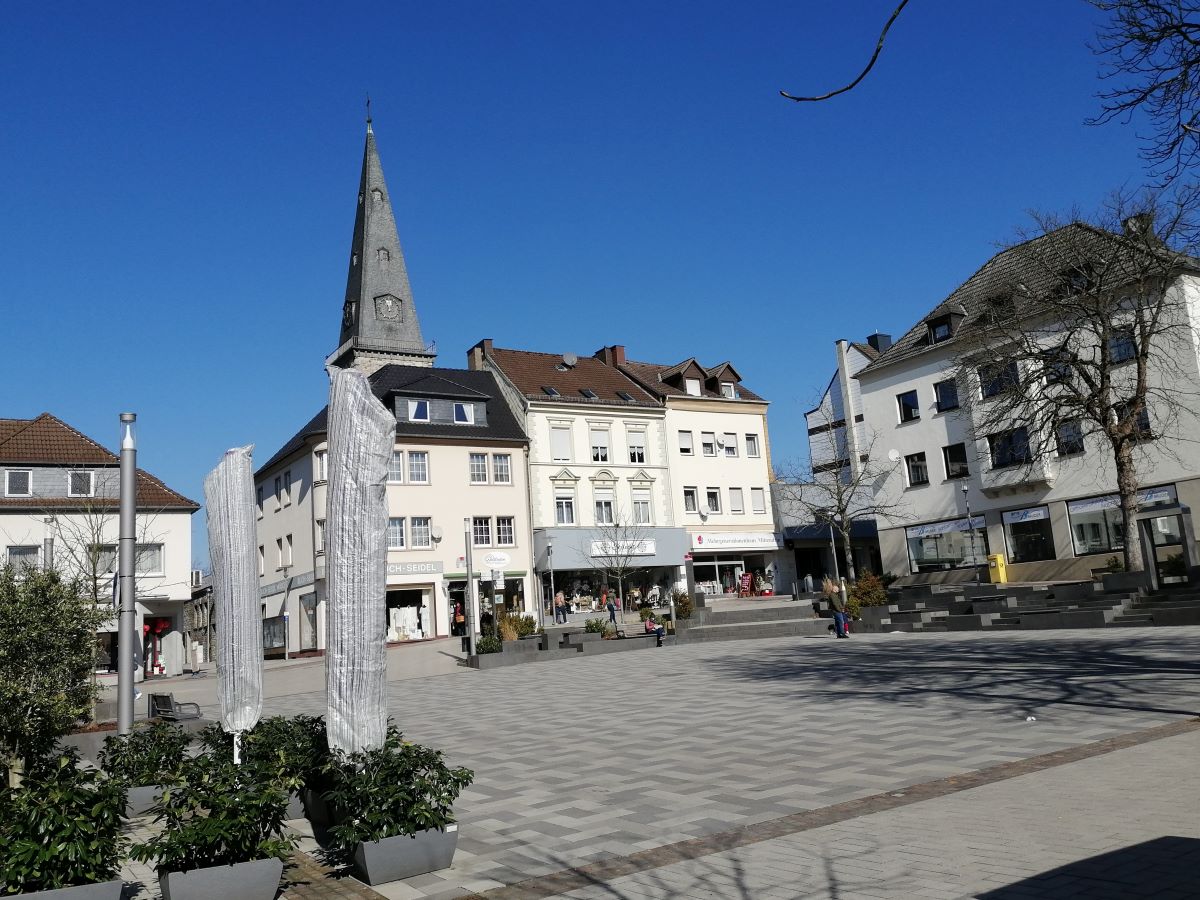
x,y
85,547
1152,58
1080,334
619,554
839,490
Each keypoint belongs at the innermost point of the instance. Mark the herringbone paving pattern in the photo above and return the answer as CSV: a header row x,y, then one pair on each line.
x,y
585,759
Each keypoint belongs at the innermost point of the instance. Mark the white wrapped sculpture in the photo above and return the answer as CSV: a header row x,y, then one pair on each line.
x,y
362,434
229,497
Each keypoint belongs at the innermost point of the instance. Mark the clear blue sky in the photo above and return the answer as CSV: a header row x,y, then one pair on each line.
x,y
179,185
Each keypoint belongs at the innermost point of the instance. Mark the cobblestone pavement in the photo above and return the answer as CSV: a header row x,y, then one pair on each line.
x,y
590,759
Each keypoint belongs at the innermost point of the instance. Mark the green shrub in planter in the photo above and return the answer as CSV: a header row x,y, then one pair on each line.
x,y
488,643
61,828
595,626
525,625
219,814
683,605
146,756
400,788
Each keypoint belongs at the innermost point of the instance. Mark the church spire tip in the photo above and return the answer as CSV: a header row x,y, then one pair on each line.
x,y
369,131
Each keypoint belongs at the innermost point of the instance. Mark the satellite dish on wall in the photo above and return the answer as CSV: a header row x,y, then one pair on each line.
x,y
706,510
436,532
570,359
894,455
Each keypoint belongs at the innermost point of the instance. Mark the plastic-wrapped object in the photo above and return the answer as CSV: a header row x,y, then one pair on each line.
x,y
362,434
232,543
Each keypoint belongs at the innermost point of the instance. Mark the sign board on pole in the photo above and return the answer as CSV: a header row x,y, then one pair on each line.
x,y
497,576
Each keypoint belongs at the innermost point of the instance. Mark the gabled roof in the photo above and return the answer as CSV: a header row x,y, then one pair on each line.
x,y
721,368
532,372
411,381
653,377
1023,265
865,349
49,441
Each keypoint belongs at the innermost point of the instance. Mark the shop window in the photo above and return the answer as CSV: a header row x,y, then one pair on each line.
x,y
955,458
1096,521
1068,437
998,378
918,471
1028,534
1009,448
909,409
938,546
946,395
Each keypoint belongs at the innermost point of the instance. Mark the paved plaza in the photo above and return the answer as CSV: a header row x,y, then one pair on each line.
x,y
589,760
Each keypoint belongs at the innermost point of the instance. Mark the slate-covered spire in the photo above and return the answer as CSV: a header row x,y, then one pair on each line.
x,y
379,318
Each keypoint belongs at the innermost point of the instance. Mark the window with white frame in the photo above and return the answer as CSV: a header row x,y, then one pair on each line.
x,y
506,531
691,501
708,443
422,531
564,506
758,500
479,468
752,445
321,465
396,467
685,444
502,468
287,488
105,558
481,531
278,553
23,556
395,534
735,501
599,442
729,390
80,483
464,414
641,506
418,466
712,497
637,445
691,386
560,444
320,535
287,549
604,506
18,483
418,410
731,448
148,559
278,492
262,560
258,499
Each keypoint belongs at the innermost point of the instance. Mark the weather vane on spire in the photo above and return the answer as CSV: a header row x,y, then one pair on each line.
x,y
368,113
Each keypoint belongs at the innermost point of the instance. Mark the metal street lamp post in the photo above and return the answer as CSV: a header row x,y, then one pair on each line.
x,y
127,611
971,531
470,598
550,566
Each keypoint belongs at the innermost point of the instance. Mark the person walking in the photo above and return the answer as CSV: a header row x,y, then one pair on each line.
x,y
610,605
838,603
560,608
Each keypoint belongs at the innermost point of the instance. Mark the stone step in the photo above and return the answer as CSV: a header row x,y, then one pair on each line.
x,y
793,611
738,631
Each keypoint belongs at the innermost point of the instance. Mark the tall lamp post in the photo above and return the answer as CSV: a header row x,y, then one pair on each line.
x,y
127,609
550,566
470,598
971,531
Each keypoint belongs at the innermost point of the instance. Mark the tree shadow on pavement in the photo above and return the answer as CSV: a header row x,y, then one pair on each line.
x,y
1164,867
1151,674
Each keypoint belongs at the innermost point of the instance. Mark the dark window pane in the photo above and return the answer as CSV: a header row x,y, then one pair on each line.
x,y
909,408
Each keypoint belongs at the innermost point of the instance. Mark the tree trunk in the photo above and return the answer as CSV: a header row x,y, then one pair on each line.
x,y
16,772
848,557
1127,488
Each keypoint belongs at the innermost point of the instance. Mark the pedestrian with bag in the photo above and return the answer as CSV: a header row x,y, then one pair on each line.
x,y
609,604
560,609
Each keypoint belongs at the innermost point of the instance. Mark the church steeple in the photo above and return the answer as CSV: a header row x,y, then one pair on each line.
x,y
379,318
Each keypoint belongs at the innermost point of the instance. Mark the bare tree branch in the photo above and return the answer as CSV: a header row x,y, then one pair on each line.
x,y
861,75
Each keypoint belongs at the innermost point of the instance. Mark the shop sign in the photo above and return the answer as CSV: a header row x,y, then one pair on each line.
x,y
1035,514
943,527
642,547
496,560
415,568
1148,497
736,540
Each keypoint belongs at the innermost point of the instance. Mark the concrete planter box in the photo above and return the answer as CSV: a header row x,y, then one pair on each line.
x,y
103,890
581,637
519,646
405,856
141,800
255,880
1126,581
1000,604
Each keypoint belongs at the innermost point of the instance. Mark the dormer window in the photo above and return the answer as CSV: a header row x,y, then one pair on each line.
x,y
589,393
729,390
18,483
80,483
940,330
464,414
692,386
418,410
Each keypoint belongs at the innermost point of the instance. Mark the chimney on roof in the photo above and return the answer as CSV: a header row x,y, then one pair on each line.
x,y
612,356
476,354
1140,227
880,341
